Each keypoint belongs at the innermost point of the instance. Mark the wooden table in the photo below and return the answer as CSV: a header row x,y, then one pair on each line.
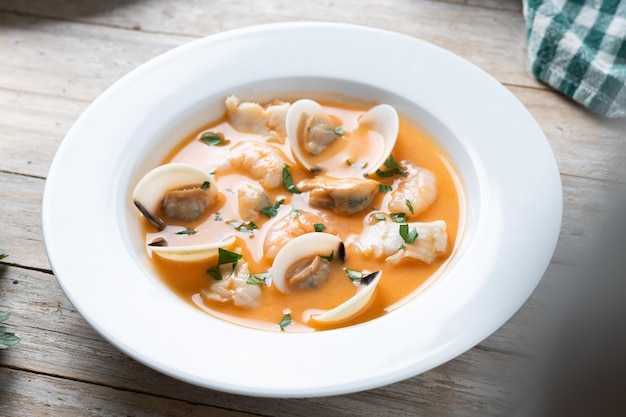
x,y
58,55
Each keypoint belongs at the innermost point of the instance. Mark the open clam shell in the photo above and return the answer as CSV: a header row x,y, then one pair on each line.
x,y
300,122
302,247
192,253
150,190
351,307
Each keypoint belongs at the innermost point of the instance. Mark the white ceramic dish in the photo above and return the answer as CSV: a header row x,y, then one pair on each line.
x,y
514,208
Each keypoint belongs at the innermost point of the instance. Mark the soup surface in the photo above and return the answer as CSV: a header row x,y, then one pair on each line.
x,y
245,154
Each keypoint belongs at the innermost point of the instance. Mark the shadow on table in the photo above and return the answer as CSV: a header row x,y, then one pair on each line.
x,y
584,370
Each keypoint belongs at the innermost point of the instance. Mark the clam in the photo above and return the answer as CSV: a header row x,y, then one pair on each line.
x,y
182,191
310,130
304,262
190,253
354,305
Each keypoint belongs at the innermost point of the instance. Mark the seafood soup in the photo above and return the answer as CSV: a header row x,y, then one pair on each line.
x,y
301,216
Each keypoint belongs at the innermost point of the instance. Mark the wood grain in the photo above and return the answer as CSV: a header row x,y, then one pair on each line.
x,y
61,54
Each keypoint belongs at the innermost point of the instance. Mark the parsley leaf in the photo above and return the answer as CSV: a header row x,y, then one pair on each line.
x,y
288,181
408,236
272,211
394,169
187,232
3,255
329,258
206,185
259,279
339,131
286,321
215,272
399,217
319,227
7,339
355,276
226,256
384,188
410,206
214,139
247,228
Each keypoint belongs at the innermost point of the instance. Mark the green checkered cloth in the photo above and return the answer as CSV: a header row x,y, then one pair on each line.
x,y
578,47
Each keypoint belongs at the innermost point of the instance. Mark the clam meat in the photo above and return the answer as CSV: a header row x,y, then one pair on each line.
x,y
305,261
312,132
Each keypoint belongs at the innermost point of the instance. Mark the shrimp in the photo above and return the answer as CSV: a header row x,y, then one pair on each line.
x,y
286,229
383,240
263,162
341,195
251,117
250,201
415,193
234,288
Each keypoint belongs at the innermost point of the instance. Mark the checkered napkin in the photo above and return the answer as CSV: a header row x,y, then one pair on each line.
x,y
579,48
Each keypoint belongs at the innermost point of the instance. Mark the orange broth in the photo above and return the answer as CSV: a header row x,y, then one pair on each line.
x,y
398,282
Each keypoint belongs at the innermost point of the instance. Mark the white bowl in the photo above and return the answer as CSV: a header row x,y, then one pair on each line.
x,y
513,207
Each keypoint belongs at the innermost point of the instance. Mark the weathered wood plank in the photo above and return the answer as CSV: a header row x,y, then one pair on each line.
x,y
109,52
26,394
31,129
57,343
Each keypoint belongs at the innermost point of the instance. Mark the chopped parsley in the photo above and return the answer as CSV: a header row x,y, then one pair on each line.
x,y
218,217
408,236
272,211
214,139
355,276
410,206
286,321
187,232
399,217
384,188
394,169
288,181
319,227
206,185
259,279
328,258
247,228
339,131
224,257
380,217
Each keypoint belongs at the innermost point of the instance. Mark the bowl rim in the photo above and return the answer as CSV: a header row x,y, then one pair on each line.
x,y
481,290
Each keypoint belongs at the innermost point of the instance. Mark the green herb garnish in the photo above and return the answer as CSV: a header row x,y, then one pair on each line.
x,y
247,228
272,211
339,131
286,321
224,257
295,211
408,236
355,276
394,169
7,339
288,181
187,232
329,258
214,139
399,217
384,188
218,217
380,217
206,185
259,279
410,206
3,255
319,227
